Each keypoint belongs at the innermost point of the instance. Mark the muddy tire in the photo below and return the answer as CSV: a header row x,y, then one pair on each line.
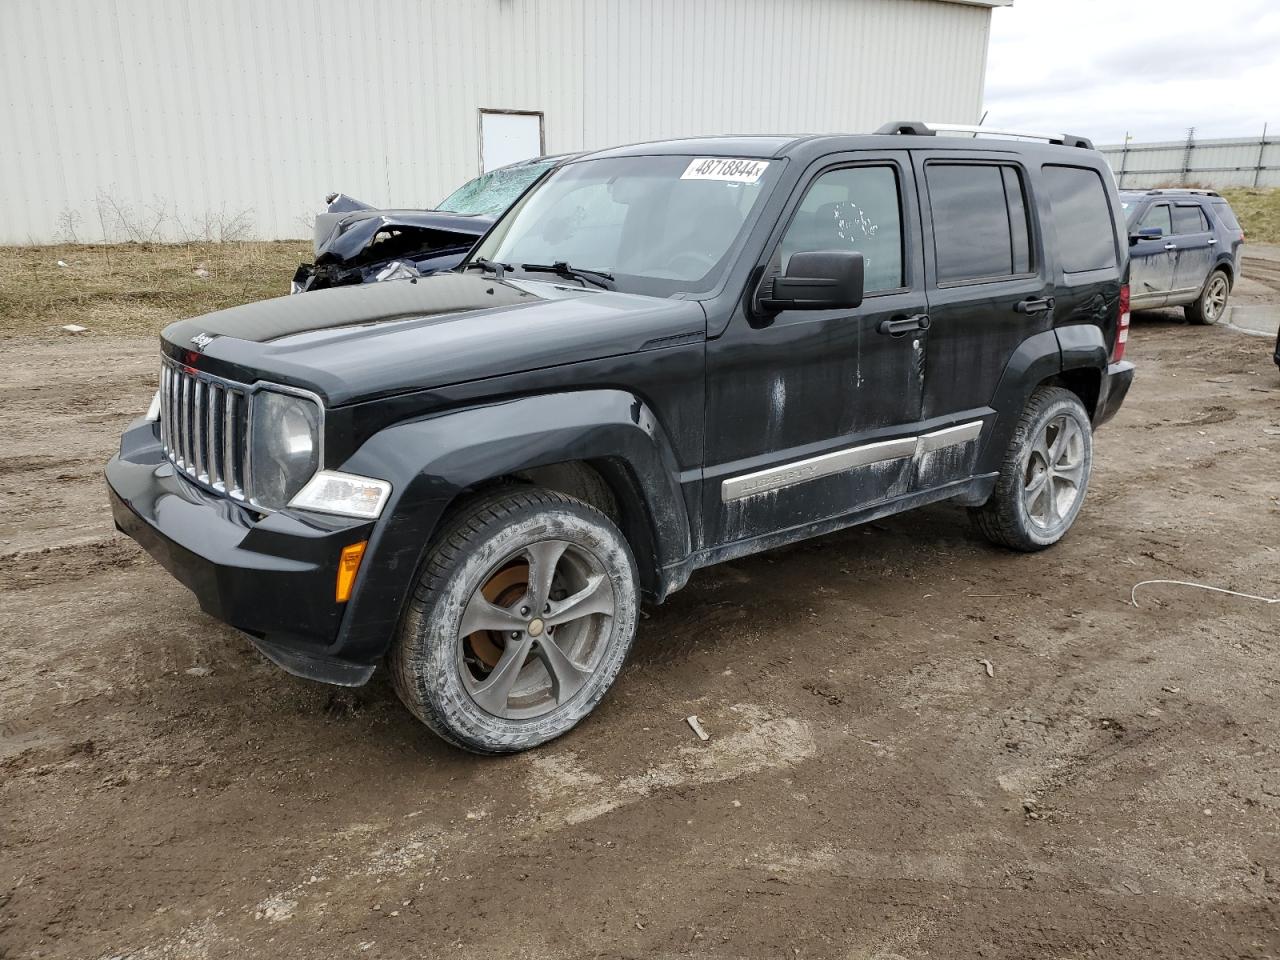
x,y
1211,306
522,615
1044,476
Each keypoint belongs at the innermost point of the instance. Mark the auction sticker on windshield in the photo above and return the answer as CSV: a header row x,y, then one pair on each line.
x,y
725,168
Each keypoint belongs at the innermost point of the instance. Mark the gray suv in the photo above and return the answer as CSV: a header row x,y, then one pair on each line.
x,y
1185,247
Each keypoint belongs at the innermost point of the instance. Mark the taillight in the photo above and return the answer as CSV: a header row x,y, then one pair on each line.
x,y
1122,327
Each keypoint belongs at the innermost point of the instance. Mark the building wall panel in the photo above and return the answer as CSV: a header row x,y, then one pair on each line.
x,y
177,118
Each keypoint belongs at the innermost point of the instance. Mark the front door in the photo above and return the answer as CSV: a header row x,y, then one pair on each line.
x,y
811,414
1153,260
1196,247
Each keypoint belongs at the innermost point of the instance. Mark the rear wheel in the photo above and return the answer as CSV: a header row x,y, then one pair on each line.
x,y
1045,474
523,614
1212,303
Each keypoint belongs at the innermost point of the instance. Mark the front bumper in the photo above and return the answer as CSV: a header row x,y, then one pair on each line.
x,y
1116,381
272,576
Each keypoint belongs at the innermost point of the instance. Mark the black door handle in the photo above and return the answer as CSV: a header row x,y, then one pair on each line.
x,y
902,325
1040,305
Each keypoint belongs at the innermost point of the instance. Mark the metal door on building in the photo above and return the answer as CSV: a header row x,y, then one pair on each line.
x,y
509,136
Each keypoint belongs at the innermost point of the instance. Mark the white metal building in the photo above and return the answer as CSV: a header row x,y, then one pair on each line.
x,y
192,117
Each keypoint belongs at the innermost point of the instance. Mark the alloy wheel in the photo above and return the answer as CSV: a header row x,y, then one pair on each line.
x,y
1215,298
1055,473
534,631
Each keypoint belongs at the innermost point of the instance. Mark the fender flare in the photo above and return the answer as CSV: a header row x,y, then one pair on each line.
x,y
1037,358
431,461
1227,264
1074,348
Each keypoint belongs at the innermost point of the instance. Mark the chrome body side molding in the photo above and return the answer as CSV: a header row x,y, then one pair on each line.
x,y
949,437
850,458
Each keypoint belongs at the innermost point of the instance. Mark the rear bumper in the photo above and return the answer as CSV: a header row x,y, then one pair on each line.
x,y
272,576
1116,380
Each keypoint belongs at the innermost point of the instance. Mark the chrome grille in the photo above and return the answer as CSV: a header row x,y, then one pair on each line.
x,y
204,427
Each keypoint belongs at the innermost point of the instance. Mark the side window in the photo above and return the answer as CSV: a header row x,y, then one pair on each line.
x,y
1018,223
1226,214
980,228
852,208
1189,219
1158,216
1082,216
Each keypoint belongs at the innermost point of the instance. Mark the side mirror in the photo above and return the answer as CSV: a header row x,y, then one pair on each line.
x,y
1146,233
816,280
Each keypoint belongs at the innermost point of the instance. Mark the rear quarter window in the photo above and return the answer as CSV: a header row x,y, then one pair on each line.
x,y
1082,218
1226,214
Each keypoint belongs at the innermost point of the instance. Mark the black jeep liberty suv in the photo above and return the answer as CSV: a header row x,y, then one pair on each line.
x,y
661,357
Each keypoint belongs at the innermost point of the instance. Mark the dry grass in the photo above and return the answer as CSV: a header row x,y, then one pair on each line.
x,y
136,288
1258,212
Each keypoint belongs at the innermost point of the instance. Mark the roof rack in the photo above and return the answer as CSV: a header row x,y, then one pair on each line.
x,y
1174,191
917,128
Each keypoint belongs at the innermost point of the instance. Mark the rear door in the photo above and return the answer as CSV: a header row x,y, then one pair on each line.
x,y
1083,228
1196,249
1155,260
988,290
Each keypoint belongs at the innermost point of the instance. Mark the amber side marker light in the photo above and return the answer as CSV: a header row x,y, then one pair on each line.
x,y
348,567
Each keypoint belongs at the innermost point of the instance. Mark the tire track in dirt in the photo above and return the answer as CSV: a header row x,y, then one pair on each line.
x,y
569,794
1266,272
42,463
27,569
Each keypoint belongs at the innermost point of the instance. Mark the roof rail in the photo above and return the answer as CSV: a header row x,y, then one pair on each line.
x,y
917,128
1173,191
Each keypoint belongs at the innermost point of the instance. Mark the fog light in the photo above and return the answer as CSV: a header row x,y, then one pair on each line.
x,y
344,494
348,567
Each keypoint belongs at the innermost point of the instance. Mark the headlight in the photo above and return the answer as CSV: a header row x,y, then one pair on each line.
x,y
284,446
344,494
153,411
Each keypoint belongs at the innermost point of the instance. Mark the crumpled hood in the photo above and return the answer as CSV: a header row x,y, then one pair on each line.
x,y
347,237
360,342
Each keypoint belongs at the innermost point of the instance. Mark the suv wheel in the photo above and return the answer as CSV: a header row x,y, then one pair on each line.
x,y
1213,300
523,614
1045,474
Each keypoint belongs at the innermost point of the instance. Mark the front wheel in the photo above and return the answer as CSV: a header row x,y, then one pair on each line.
x,y
523,614
1044,476
1211,306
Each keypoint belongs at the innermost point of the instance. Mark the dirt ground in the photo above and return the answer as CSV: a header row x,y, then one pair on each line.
x,y
868,791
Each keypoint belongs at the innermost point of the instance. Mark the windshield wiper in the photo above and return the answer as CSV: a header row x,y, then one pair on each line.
x,y
496,267
562,269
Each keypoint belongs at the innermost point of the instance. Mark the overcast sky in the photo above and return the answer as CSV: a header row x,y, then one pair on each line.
x,y
1151,68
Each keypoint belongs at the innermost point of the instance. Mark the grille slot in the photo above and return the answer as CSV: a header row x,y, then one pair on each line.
x,y
204,427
